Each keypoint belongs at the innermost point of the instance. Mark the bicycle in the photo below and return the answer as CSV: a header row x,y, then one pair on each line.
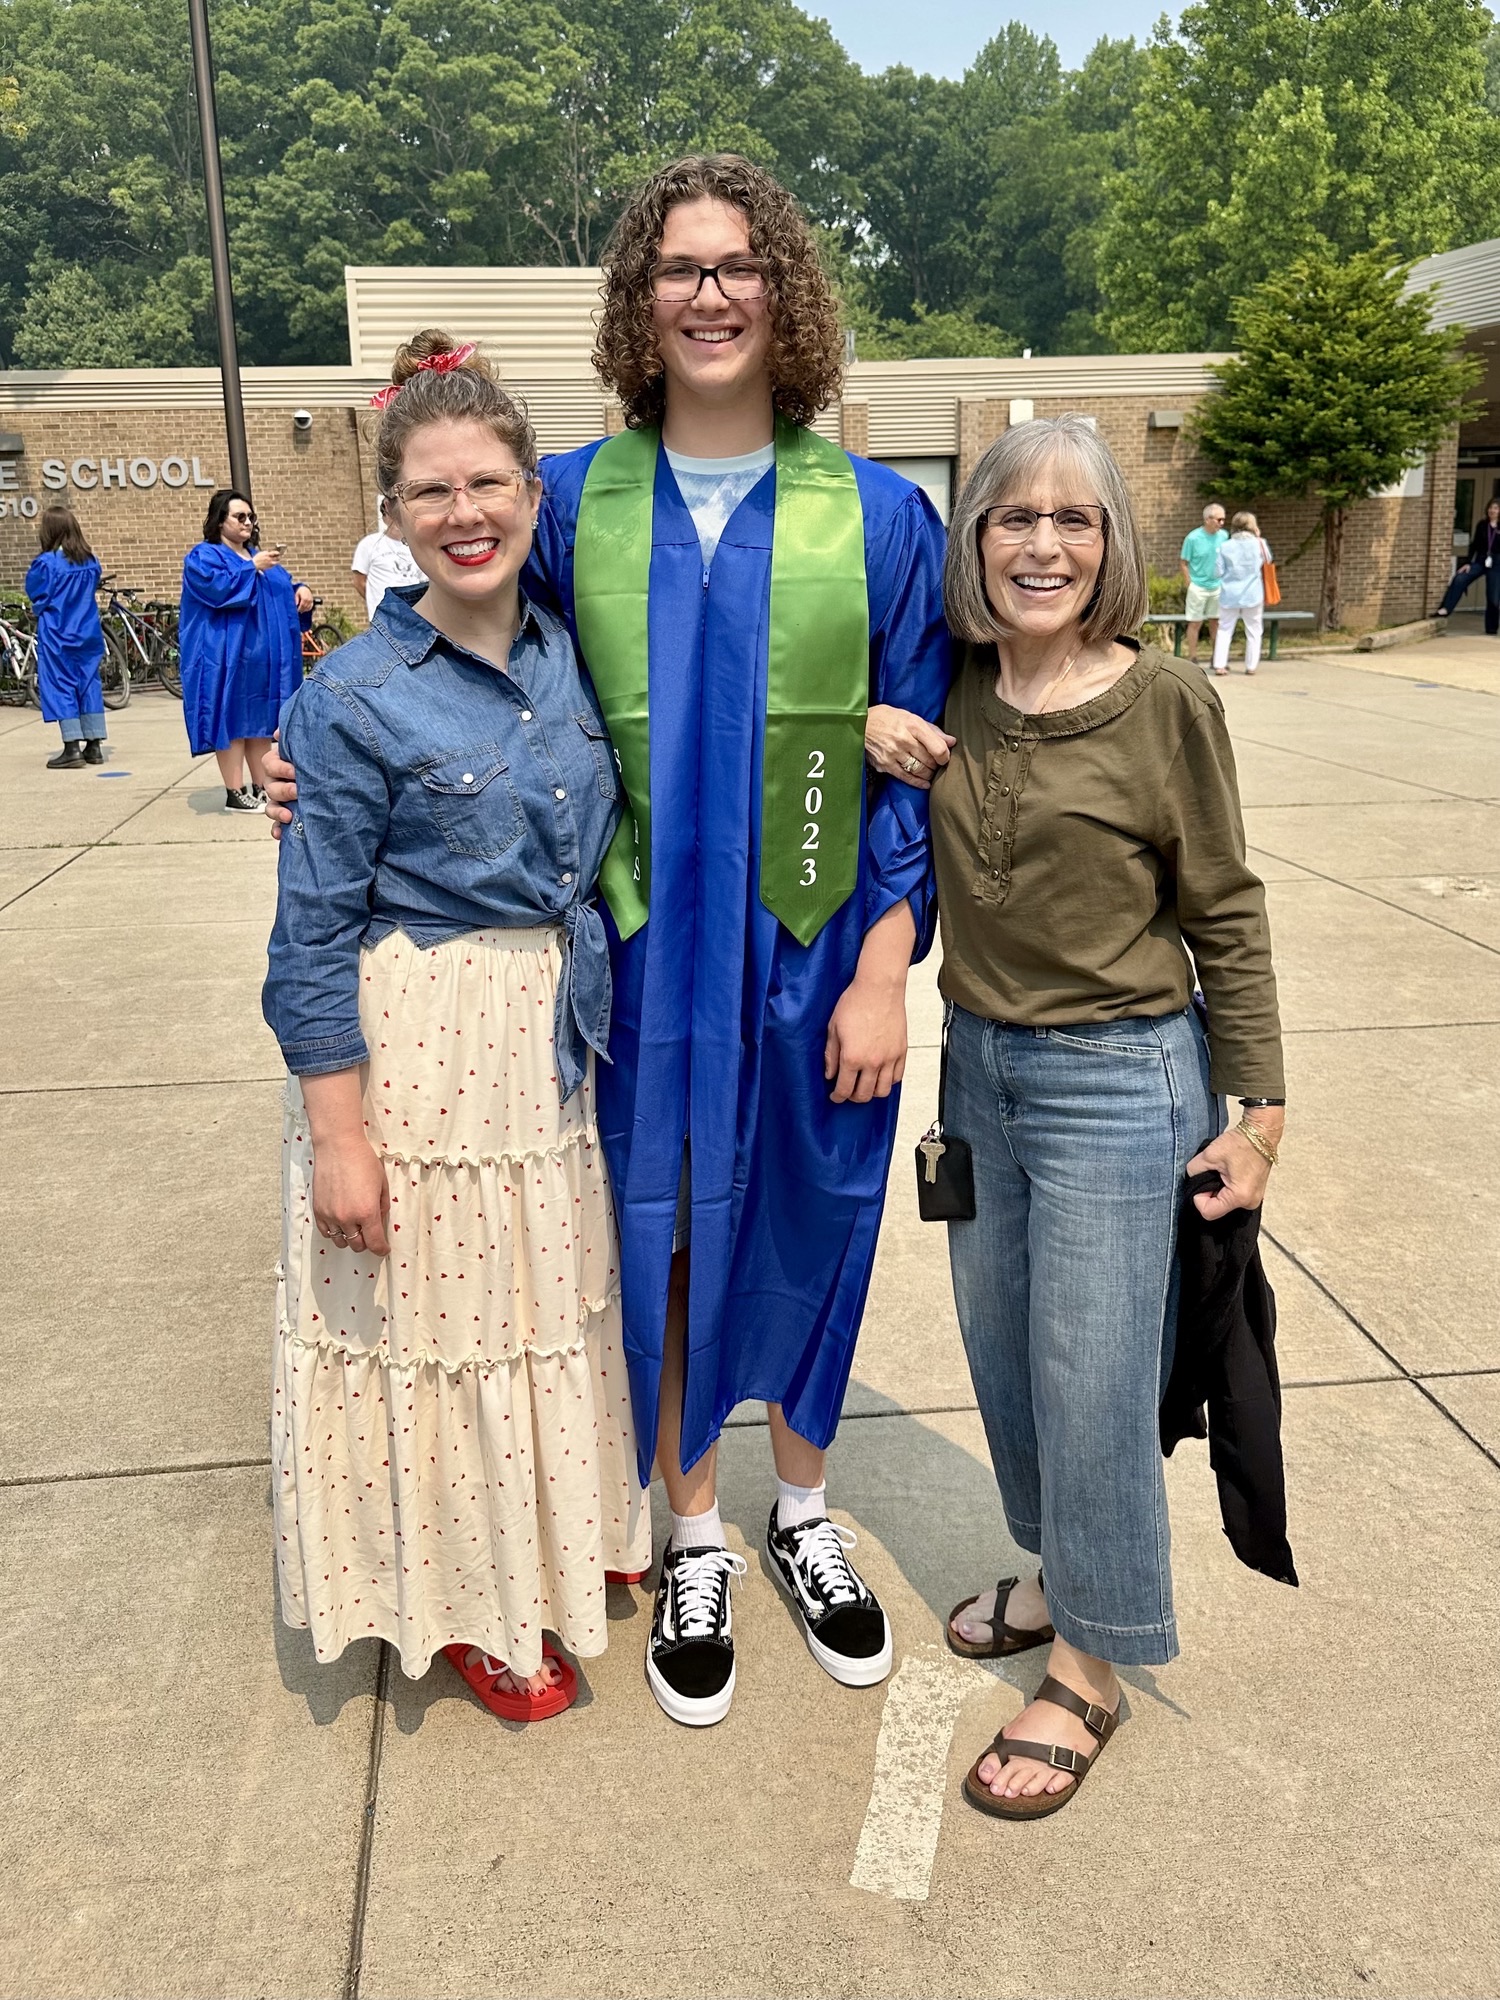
x,y
140,641
18,681
319,640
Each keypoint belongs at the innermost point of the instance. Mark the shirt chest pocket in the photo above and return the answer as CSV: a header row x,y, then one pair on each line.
x,y
603,751
474,802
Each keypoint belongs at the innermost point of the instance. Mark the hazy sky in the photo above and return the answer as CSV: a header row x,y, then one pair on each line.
x,y
943,36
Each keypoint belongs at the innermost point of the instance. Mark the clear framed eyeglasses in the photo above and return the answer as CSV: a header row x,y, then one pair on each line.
x,y
1082,522
491,492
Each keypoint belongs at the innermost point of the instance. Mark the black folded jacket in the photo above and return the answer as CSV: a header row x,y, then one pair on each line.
x,y
1225,1364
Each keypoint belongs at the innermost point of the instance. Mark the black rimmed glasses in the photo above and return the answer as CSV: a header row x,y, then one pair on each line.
x,y
1078,523
676,282
431,499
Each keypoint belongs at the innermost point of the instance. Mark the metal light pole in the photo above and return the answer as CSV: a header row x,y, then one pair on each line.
x,y
218,247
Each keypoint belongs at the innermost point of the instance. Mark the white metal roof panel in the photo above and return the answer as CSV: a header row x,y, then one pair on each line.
x,y
1467,281
529,318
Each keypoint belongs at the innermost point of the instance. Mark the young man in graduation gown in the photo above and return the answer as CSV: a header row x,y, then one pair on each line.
x,y
742,593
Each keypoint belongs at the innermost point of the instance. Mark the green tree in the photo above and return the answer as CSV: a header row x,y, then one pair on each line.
x,y
1032,258
1271,127
982,198
927,336
98,193
1341,384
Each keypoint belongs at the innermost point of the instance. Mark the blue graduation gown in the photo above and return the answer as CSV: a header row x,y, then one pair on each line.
x,y
69,637
241,649
720,1016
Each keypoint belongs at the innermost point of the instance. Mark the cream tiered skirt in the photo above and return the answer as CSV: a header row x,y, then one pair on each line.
x,y
452,1448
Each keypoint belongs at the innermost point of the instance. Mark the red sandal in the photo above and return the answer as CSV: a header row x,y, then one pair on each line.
x,y
623,1575
514,1704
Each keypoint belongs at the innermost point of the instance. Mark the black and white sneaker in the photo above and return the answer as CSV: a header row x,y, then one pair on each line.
x,y
690,1654
846,1630
239,802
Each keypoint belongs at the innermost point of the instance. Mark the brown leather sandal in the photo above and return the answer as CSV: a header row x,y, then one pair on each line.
x,y
1099,1721
1004,1639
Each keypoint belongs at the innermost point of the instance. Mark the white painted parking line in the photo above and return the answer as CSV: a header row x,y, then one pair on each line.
x,y
898,1842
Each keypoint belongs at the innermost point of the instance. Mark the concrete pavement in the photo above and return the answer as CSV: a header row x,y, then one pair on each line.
x,y
1305,1803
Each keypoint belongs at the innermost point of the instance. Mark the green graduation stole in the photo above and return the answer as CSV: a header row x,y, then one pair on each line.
x,y
817,687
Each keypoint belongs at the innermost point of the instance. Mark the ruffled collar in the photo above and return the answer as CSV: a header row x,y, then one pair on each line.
x,y
1114,701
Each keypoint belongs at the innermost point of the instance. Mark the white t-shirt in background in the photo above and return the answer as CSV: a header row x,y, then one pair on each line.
x,y
383,560
713,487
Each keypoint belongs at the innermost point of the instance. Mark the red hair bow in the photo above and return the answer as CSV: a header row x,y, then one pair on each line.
x,y
435,364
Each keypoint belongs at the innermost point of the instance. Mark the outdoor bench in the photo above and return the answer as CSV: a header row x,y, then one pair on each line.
x,y
1274,621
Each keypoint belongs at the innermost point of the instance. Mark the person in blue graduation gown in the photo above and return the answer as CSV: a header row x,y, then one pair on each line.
x,y
62,584
240,645
748,1111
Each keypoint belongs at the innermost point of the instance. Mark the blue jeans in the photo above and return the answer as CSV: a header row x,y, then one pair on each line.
x,y
1471,573
83,728
1066,1289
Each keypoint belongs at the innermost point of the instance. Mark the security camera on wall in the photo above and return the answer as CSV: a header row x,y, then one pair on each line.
x,y
302,420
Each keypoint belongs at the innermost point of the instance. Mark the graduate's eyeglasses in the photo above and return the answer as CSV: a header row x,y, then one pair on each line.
x,y
431,499
1080,523
676,282
245,520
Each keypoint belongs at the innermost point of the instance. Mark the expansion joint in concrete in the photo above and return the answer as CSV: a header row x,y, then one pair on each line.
x,y
355,1962
1406,1374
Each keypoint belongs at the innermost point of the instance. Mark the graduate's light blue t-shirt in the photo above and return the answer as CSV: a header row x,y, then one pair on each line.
x,y
713,487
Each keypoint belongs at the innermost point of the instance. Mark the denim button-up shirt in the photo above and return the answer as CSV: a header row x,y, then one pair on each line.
x,y
437,794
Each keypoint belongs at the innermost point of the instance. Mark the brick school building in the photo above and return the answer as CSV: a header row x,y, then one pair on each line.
x,y
136,452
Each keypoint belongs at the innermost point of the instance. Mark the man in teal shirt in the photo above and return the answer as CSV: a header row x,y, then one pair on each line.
x,y
1200,572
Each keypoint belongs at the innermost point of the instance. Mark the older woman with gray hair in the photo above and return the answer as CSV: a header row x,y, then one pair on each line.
x,y
1090,858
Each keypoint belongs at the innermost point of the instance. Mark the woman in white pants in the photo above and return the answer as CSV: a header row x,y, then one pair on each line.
x,y
1242,592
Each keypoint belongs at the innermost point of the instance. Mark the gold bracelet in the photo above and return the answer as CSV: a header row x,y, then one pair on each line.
x,y
1258,1140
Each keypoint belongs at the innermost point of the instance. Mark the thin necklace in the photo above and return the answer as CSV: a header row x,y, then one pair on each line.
x,y
1054,684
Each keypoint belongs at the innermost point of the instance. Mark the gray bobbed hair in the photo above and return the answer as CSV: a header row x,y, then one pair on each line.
x,y
1010,470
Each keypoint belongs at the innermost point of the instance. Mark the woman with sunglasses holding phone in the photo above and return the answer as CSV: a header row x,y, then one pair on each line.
x,y
1090,861
453,1455
240,645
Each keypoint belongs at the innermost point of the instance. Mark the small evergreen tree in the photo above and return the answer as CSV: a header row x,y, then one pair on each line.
x,y
1341,384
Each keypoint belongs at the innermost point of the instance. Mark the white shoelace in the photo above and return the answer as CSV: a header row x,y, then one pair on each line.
x,y
819,1553
695,1582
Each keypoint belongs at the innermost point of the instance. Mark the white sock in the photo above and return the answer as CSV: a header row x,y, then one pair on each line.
x,y
798,1504
698,1531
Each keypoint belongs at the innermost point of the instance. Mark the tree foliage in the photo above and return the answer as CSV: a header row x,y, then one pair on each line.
x,y
1269,128
1124,203
1341,384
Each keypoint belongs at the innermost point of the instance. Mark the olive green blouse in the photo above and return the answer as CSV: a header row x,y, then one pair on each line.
x,y
1082,855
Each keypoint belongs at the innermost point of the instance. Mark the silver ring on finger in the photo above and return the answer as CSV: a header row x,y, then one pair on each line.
x,y
909,765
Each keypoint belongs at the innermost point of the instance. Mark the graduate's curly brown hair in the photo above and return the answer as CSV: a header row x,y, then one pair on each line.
x,y
806,349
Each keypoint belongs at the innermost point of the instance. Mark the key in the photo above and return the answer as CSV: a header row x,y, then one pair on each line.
x,y
932,1150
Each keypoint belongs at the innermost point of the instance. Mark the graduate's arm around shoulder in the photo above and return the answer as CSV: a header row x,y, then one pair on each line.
x,y
325,882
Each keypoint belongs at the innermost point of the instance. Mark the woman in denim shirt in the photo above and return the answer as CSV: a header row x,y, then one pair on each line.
x,y
453,1451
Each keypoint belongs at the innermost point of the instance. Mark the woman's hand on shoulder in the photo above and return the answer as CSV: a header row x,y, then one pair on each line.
x,y
1243,1169
904,746
281,787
